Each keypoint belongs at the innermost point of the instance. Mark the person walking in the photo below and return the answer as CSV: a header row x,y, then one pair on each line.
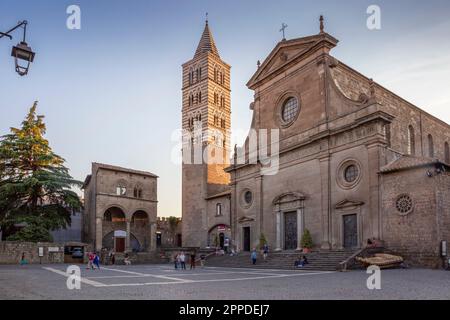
x,y
183,261
265,251
90,264
175,260
253,256
226,244
202,260
96,260
193,256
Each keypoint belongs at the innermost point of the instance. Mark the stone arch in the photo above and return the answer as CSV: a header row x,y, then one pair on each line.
x,y
114,213
140,216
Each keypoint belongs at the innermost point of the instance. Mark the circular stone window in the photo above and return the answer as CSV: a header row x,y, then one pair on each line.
x,y
349,174
404,204
246,198
289,110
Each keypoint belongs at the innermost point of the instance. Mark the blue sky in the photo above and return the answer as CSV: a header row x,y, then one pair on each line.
x,y
111,91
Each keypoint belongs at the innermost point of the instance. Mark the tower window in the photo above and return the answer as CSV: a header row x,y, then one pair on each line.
x,y
430,146
218,209
446,152
411,141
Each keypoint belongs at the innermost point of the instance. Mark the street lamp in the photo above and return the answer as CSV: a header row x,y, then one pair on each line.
x,y
21,51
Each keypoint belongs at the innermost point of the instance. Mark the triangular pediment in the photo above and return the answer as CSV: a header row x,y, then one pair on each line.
x,y
348,204
245,219
286,52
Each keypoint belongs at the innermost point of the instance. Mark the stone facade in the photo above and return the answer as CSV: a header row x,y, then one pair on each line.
x,y
416,219
348,148
120,209
168,233
206,115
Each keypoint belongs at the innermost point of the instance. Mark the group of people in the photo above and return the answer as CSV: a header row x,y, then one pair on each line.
x,y
265,253
93,261
301,262
180,259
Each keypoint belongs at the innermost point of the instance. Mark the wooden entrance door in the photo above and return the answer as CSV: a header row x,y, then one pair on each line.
x,y
246,231
120,244
350,231
290,230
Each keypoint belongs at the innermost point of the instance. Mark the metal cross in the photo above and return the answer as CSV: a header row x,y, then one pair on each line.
x,y
283,27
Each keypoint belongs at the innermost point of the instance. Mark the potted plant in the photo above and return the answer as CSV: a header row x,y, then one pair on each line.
x,y
262,241
306,242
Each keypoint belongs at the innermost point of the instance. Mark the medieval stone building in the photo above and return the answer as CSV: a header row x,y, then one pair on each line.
x,y
120,209
356,161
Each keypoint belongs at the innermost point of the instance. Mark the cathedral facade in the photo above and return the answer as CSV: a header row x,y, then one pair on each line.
x,y
356,162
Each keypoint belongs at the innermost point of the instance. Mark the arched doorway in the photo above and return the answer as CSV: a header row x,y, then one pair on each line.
x,y
114,226
140,229
218,234
289,220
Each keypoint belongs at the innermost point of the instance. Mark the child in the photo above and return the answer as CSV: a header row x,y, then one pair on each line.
x,y
202,260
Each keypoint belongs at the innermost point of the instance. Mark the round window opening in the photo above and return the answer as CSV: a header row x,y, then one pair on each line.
x,y
351,173
248,197
289,110
404,204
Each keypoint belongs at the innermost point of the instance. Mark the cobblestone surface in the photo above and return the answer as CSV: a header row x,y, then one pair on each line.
x,y
162,282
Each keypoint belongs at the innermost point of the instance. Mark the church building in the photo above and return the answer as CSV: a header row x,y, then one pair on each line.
x,y
356,161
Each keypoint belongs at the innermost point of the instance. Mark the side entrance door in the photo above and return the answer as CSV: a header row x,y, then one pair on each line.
x,y
120,244
350,231
246,231
290,230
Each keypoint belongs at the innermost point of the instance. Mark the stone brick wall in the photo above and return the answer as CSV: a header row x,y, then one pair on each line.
x,y
11,252
416,235
168,235
352,84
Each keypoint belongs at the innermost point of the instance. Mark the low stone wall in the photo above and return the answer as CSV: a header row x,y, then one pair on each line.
x,y
11,252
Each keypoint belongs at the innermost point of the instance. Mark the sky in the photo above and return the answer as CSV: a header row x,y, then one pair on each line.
x,y
111,91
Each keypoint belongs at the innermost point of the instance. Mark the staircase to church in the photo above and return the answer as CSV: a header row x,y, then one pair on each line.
x,y
318,260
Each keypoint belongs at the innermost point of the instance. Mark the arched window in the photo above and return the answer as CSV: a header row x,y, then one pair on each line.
x,y
430,146
218,209
200,97
121,190
411,141
447,152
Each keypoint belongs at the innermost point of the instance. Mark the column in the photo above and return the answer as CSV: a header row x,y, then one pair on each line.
x,y
98,234
299,229
278,248
374,227
326,214
127,239
152,236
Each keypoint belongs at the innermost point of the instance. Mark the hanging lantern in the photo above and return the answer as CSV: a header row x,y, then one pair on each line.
x,y
23,56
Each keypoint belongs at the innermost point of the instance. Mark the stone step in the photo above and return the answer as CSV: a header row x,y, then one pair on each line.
x,y
318,260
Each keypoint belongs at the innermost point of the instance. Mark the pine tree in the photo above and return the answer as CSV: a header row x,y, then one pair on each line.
x,y
35,186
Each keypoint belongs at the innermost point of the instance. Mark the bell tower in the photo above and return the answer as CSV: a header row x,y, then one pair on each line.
x,y
206,122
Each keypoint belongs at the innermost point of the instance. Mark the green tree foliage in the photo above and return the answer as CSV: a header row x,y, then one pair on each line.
x,y
307,241
35,186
